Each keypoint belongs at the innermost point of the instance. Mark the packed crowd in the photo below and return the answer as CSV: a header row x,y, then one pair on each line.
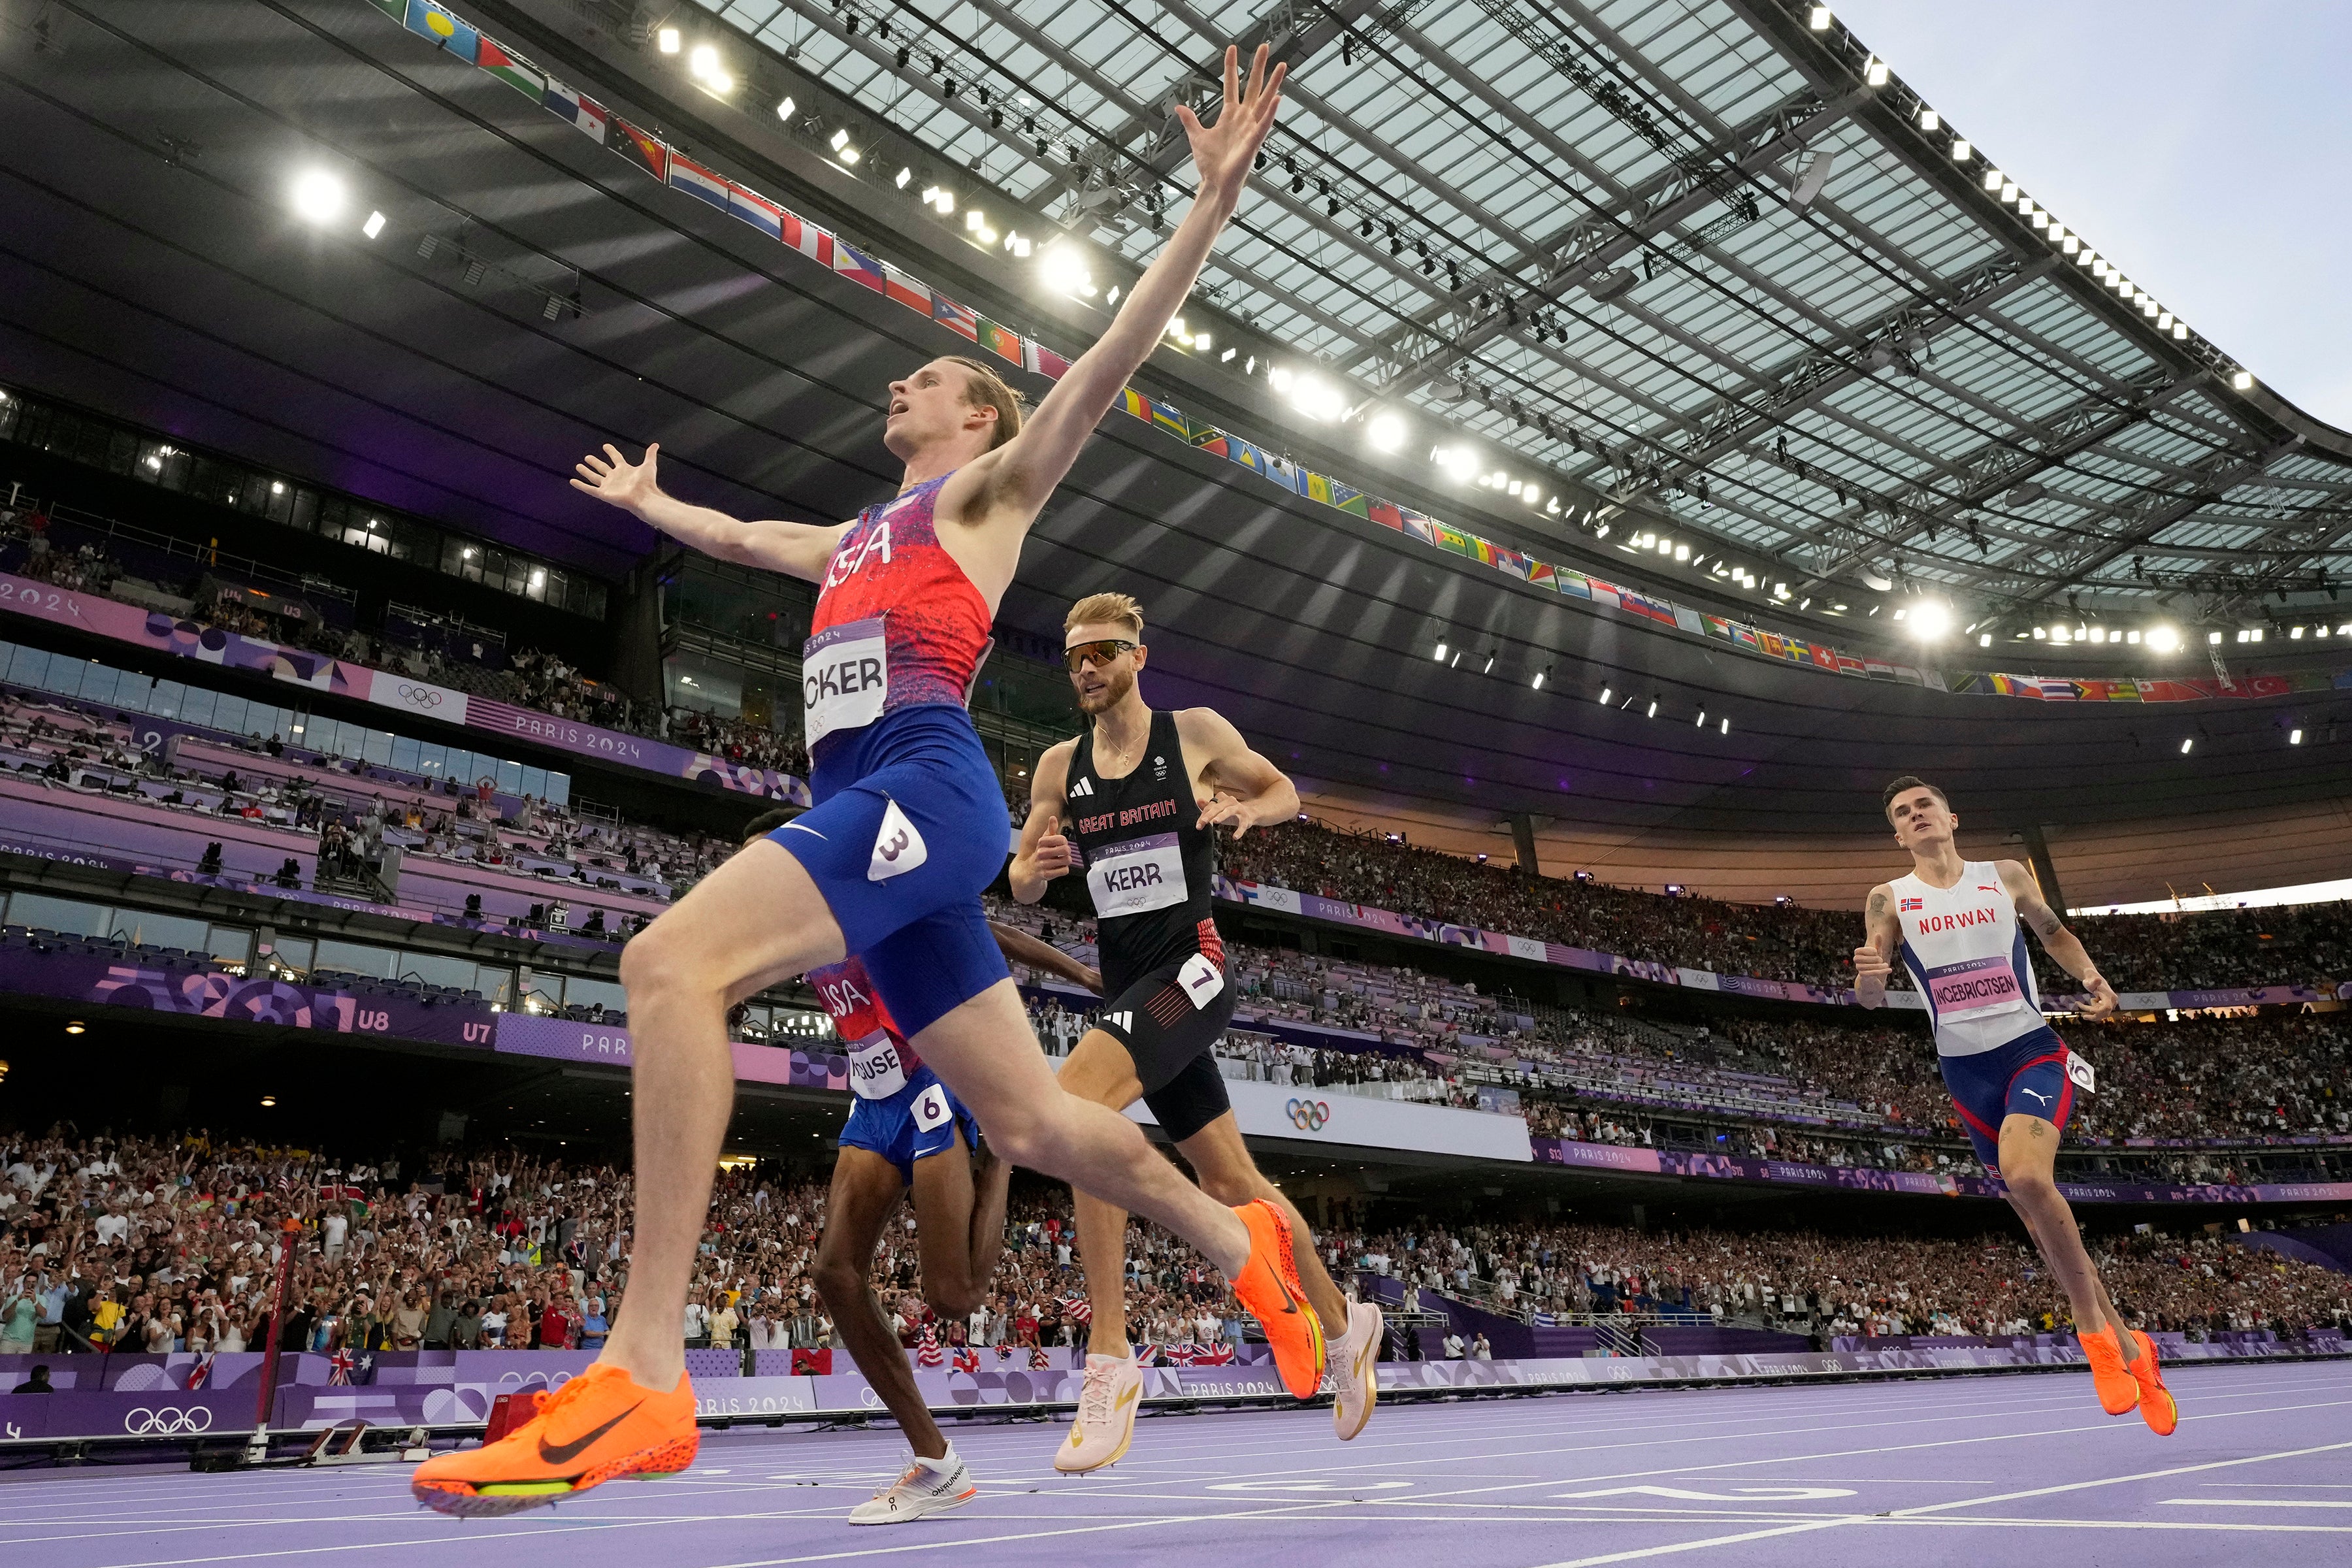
x,y
2247,947
1991,1284
738,741
173,1244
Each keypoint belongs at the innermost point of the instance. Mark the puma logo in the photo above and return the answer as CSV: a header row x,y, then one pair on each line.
x,y
2036,1094
564,1453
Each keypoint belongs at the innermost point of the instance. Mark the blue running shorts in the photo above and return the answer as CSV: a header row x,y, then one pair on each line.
x,y
908,827
921,1121
2026,1076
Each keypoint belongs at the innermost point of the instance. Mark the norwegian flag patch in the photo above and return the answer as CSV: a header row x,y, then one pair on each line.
x,y
1910,904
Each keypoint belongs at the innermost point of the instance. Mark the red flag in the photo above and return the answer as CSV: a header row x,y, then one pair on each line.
x,y
966,1359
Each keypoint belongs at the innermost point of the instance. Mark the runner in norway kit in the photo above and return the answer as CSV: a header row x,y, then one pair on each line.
x,y
1134,804
1957,927
909,826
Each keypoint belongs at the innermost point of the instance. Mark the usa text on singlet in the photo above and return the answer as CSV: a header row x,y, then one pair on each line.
x,y
898,623
880,1062
1149,865
1966,953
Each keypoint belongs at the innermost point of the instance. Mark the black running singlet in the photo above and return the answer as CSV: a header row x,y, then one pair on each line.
x,y
1146,862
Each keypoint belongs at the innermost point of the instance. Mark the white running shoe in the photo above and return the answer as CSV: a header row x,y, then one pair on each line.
x,y
1355,1370
925,1489
1106,1420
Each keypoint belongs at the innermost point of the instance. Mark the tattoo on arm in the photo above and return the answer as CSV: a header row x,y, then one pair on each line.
x,y
2045,923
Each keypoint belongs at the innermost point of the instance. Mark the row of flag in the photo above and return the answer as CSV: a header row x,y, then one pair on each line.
x,y
681,173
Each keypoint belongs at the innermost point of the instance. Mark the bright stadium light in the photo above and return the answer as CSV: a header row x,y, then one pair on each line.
x,y
1930,619
2164,639
318,197
669,39
1820,20
374,226
1064,270
1385,432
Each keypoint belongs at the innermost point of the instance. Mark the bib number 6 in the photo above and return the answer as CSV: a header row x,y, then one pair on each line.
x,y
932,1108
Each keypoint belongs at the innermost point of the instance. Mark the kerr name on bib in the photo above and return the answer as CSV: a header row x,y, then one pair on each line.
x,y
1139,875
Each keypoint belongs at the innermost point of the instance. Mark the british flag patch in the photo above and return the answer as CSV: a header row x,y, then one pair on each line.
x,y
1910,904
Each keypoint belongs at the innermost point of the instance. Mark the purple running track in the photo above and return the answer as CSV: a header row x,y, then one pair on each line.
x,y
1961,1471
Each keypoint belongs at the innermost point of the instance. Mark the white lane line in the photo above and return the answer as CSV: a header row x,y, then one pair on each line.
x,y
2253,1502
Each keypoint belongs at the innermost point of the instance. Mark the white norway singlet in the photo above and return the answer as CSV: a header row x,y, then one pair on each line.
x,y
1967,955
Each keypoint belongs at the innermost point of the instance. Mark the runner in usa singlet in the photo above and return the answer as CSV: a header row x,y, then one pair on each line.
x,y
1966,953
897,624
881,1063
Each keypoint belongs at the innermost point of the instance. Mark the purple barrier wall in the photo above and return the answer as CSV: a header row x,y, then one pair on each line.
x,y
205,991
298,666
2329,1246
1673,1163
165,1413
607,1045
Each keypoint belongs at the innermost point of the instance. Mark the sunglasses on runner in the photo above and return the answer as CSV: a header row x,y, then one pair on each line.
x,y
1099,654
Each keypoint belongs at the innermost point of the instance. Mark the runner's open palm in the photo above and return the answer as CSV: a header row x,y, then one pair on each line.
x,y
1223,151
618,482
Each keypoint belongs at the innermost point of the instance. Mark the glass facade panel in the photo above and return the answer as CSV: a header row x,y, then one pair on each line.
x,y
67,917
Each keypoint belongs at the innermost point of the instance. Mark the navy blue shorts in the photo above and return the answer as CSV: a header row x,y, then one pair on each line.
x,y
2026,1076
908,827
921,1121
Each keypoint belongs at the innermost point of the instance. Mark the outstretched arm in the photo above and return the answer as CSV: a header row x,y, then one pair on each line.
x,y
2056,940
798,549
1874,961
1025,470
1022,948
1246,790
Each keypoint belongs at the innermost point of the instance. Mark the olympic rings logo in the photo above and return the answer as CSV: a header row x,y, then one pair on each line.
x,y
419,696
1309,1115
167,1421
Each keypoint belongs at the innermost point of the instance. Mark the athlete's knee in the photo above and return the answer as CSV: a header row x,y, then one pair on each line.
x,y
665,959
841,1282
953,1298
2035,1189
1234,1188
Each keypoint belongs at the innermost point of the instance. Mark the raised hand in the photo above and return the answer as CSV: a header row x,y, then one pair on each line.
x,y
616,481
1226,809
1052,857
1869,962
1223,152
2099,998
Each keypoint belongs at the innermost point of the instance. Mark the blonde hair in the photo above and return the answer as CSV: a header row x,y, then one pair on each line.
x,y
986,389
1101,609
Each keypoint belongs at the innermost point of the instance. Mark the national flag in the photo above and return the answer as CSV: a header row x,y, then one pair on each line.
x,y
809,1362
429,21
199,1373
999,340
1036,356
686,175
1038,1360
811,241
1877,670
1386,514
1149,1355
1848,664
1607,594
1076,1308
492,56
1823,658
1911,904
927,1348
1182,1354
342,1361
1575,585
1134,403
966,1359
641,148
1511,560
1422,528
1351,499
856,266
1542,574
906,291
955,317
1451,538
1218,1354
1253,457
1482,549
1212,440
585,113
1772,644
1646,606
756,210
1165,416
1319,487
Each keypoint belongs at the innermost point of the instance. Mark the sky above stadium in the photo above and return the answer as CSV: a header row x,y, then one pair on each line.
x,y
2201,146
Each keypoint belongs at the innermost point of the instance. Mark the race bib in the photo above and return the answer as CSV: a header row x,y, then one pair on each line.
x,y
1201,979
1976,989
875,1070
1139,875
931,1109
2085,1078
845,678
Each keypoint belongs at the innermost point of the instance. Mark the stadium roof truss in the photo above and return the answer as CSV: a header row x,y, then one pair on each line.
x,y
1708,260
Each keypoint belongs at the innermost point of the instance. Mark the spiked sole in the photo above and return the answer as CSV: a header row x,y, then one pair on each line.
x,y
492,1499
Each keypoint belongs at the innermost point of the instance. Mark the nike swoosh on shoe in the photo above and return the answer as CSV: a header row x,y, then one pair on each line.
x,y
565,1453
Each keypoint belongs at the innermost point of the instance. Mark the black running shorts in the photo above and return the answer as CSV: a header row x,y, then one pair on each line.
x,y
1169,1038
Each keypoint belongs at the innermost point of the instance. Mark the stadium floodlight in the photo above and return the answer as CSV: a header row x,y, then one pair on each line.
x,y
1874,71
1385,432
1930,618
1605,695
2294,738
1962,151
1726,727
669,40
318,197
784,107
1930,121
1820,20
2187,742
2243,381
1440,655
1654,708
374,226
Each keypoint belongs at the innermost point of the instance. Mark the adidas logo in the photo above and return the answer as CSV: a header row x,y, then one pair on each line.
x,y
1119,1021
1084,786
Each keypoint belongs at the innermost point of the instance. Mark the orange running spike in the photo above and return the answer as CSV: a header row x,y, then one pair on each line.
x,y
597,1427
